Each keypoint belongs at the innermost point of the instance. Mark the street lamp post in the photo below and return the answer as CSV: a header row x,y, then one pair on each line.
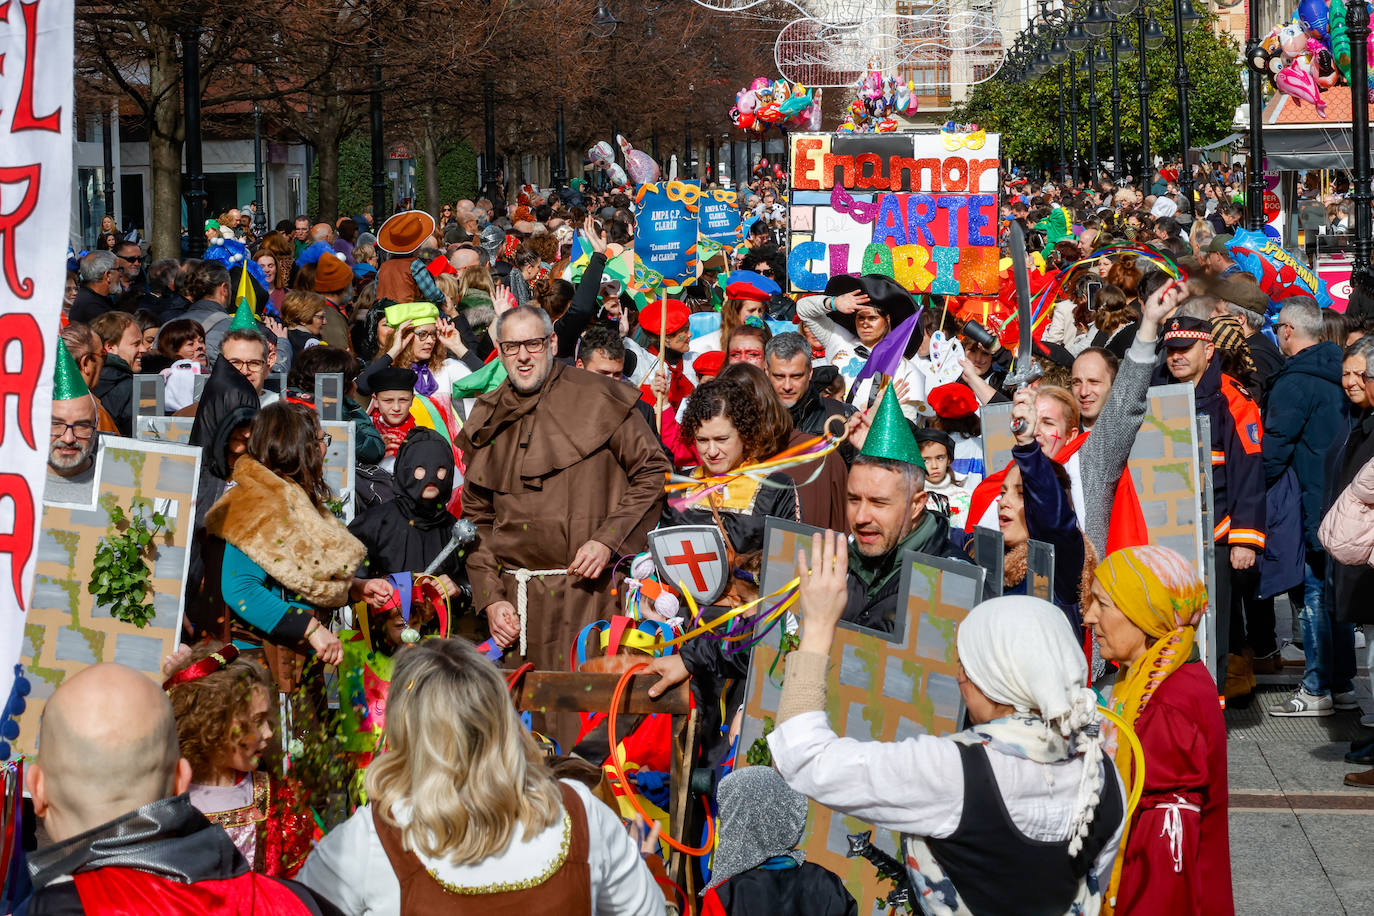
x,y
1092,117
1185,176
1142,87
1073,112
489,178
259,215
560,142
709,173
195,168
1063,158
1357,24
1254,167
1118,169
687,145
107,150
374,104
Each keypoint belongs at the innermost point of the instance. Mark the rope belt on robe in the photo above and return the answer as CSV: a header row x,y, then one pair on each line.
x,y
522,579
1173,827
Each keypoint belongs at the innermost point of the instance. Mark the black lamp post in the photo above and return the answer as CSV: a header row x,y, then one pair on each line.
x,y
1096,62
1073,112
1357,24
1184,17
560,142
687,146
260,214
489,173
1120,45
195,168
1145,38
374,104
1063,158
1254,167
107,150
709,172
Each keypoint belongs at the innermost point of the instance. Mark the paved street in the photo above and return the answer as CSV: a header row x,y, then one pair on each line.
x,y
1301,842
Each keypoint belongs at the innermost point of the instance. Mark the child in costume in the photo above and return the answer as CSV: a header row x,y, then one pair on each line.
x,y
224,708
365,674
757,868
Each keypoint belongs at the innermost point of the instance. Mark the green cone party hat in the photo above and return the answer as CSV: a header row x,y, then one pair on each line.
x,y
243,318
890,434
67,382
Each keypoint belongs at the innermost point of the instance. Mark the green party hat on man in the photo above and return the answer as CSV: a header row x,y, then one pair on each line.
x,y
243,318
890,435
67,383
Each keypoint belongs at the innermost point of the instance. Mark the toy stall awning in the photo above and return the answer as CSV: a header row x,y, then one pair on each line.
x,y
1297,137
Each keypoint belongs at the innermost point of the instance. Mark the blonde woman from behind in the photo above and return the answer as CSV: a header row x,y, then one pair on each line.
x,y
465,816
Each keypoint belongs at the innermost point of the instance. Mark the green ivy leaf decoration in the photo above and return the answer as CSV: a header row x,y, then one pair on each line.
x,y
120,575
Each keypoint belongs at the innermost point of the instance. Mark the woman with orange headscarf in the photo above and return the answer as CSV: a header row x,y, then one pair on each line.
x,y
1175,855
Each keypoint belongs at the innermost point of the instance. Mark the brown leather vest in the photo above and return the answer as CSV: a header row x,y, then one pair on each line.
x,y
568,891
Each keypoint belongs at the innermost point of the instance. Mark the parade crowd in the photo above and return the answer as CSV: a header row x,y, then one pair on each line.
x,y
513,392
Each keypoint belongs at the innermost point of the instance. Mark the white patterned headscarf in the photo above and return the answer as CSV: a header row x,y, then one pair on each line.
x,y
1020,651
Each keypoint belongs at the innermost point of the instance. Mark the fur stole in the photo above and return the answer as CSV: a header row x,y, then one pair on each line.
x,y
270,519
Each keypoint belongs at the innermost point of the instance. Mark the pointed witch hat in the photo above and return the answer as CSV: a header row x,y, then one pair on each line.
x,y
67,383
890,434
244,319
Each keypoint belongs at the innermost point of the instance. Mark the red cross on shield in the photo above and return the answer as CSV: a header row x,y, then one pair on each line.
x,y
692,557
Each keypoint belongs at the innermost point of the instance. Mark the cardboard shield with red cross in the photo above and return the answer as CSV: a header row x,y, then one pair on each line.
x,y
692,557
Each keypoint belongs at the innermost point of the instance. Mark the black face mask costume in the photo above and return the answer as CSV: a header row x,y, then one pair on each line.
x,y
425,459
408,533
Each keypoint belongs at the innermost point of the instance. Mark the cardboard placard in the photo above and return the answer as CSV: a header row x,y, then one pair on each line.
x,y
720,217
781,541
921,208
666,228
1040,570
65,631
882,687
339,457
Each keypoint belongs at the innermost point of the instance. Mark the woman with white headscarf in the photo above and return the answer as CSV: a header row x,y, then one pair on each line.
x,y
1020,813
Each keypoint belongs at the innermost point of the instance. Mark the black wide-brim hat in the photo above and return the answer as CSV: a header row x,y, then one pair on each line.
x,y
884,294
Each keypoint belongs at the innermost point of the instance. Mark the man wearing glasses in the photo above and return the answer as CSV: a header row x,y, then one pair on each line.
x,y
72,442
246,351
562,474
129,261
300,237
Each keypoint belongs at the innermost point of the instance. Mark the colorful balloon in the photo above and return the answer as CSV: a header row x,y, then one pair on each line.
x,y
1297,80
1340,39
639,165
1315,17
601,155
1276,270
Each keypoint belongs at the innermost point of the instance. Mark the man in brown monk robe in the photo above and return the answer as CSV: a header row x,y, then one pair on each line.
x,y
562,474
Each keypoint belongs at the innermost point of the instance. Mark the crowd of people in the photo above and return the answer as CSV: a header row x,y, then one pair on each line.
x,y
512,393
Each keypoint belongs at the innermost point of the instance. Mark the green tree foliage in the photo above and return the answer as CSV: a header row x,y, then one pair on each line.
x,y
457,174
355,177
1027,116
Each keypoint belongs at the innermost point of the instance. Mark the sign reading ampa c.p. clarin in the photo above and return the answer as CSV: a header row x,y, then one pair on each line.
x,y
920,208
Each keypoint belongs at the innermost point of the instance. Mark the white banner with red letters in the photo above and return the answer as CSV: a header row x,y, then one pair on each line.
x,y
36,62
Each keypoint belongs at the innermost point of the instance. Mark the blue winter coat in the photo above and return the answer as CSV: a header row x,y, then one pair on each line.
x,y
1305,413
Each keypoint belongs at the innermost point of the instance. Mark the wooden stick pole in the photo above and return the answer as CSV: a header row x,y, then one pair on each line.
x,y
662,352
